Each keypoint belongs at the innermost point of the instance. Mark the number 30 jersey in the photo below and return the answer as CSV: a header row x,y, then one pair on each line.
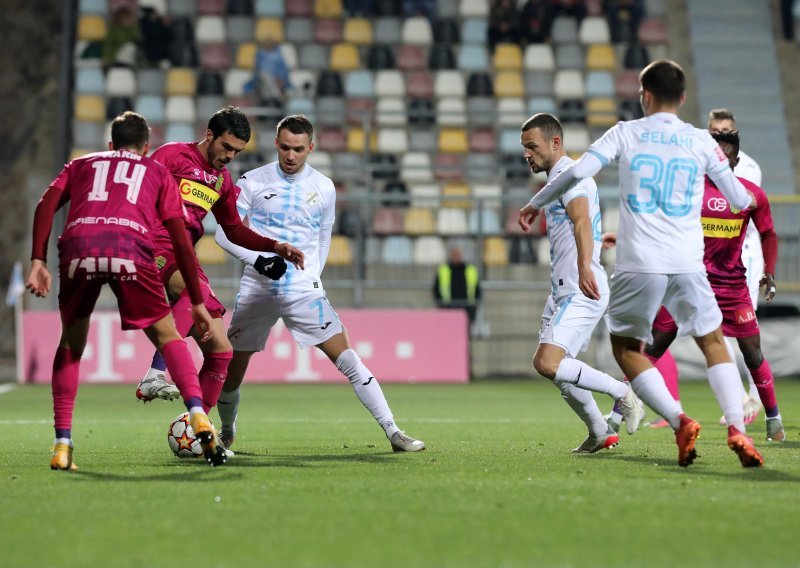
x,y
117,200
662,164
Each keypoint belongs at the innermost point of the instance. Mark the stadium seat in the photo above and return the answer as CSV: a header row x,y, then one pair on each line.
x,y
576,139
397,250
208,105
273,8
328,31
269,28
235,80
415,167
480,166
474,30
391,111
456,194
120,82
299,8
509,140
302,105
88,135
380,56
572,110
115,106
474,8
451,111
340,252
390,83
183,54
314,56
485,221
569,85
358,31
481,111
211,7
331,140
410,58
356,140
344,57
91,27
388,30
246,55
209,252
240,8
89,80
304,82
300,30
359,83
594,30
441,57
601,57
539,57
417,31
448,8
653,31
421,112
424,195
150,81
239,29
452,221
508,84
599,84
332,111
429,251
570,56
507,57
539,83
387,221
180,108
601,112
210,29
626,84
359,110
321,161
511,111
448,167
564,30
419,221
216,56
445,31
180,82
422,139
329,84
98,7
629,109
348,167
420,84
472,57
453,141
151,107
490,194
636,57
449,84
480,84
495,251
392,140
482,140
542,104
327,8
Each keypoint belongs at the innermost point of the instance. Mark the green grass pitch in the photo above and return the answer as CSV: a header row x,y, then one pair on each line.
x,y
315,483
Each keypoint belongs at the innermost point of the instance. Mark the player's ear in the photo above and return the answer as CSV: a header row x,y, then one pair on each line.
x,y
146,148
683,99
209,135
310,146
110,145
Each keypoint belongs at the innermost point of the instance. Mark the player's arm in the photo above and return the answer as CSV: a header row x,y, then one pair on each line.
x,y
39,279
732,189
762,219
187,265
578,212
326,229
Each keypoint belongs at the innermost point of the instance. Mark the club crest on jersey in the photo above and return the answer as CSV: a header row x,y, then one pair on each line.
x,y
161,262
311,198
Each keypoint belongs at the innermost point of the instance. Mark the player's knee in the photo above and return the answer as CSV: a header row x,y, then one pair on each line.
x,y
753,357
545,365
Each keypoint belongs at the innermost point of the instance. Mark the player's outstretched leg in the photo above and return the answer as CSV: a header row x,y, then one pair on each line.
x,y
582,402
154,383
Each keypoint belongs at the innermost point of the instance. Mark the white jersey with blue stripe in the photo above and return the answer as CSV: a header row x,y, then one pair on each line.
x,y
298,209
561,234
662,163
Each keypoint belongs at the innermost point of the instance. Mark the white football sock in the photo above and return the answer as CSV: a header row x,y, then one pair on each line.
x,y
736,356
727,387
585,377
650,387
367,389
228,407
583,404
194,410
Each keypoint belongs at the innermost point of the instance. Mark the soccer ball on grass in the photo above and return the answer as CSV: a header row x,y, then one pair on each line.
x,y
181,438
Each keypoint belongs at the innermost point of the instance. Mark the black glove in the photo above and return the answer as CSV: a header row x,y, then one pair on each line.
x,y
273,267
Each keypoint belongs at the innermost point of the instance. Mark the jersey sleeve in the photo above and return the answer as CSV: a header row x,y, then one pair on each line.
x,y
716,162
326,227
243,200
762,215
608,147
170,204
224,209
581,189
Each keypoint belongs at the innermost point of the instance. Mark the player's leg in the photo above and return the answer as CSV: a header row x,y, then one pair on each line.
x,y
228,403
762,373
753,260
217,355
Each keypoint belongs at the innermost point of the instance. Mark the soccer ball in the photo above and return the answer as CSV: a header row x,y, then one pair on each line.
x,y
181,438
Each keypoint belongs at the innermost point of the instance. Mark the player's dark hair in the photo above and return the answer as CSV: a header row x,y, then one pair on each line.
x,y
721,114
547,124
230,119
731,138
296,124
665,80
129,130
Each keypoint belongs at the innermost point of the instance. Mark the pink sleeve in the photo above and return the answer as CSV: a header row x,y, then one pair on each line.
x,y
170,204
224,209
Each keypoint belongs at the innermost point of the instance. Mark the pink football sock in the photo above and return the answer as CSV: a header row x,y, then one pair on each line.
x,y
212,377
66,365
762,376
182,313
182,369
669,370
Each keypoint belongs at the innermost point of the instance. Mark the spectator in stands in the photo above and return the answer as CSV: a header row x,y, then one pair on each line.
x,y
156,34
572,8
121,46
535,21
503,23
358,8
457,285
271,74
624,17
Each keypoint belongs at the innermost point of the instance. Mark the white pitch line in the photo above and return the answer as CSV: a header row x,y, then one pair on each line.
x,y
8,387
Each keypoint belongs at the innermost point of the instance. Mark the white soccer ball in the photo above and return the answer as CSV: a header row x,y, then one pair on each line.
x,y
181,438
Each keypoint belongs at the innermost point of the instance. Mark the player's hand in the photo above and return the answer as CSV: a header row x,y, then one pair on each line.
x,y
292,254
39,279
527,215
609,240
768,283
202,322
273,267
588,283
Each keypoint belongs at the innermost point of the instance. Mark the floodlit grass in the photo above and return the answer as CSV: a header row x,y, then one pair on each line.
x,y
314,483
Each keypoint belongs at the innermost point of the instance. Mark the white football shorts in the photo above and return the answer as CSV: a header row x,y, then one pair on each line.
x,y
570,321
753,260
309,317
636,298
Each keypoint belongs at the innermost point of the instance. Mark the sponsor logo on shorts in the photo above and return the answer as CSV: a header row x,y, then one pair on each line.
x,y
721,228
161,262
327,323
198,194
744,316
93,267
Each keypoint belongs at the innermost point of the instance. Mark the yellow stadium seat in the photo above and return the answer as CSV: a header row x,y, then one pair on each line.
x,y
328,8
453,141
355,141
252,145
181,82
601,57
246,55
344,57
507,57
91,108
495,251
601,112
358,31
456,195
92,28
340,252
419,221
209,252
509,84
269,28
